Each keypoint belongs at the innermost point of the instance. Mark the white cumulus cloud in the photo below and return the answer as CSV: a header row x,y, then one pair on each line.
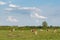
x,y
12,19
36,15
2,3
34,10
13,5
27,8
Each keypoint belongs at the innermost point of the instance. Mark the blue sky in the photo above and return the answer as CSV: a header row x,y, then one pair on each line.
x,y
29,12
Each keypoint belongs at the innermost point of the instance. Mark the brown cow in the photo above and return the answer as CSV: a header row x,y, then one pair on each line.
x,y
34,31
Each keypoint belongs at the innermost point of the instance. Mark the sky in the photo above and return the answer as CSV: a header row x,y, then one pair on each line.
x,y
29,12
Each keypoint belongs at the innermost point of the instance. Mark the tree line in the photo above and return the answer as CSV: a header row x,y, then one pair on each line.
x,y
44,26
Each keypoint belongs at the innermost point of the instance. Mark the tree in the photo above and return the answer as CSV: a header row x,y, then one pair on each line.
x,y
44,24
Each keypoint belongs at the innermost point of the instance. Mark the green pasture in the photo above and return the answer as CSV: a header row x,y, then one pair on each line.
x,y
28,35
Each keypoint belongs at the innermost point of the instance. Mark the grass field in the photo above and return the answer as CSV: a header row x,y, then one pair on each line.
x,y
28,35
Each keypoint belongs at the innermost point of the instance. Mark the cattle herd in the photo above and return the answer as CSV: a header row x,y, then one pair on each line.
x,y
34,31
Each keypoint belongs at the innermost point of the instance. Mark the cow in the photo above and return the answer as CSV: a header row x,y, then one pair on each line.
x,y
34,31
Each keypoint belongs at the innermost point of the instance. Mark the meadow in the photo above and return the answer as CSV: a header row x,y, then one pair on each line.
x,y
28,35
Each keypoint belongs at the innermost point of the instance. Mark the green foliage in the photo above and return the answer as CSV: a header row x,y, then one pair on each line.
x,y
44,24
4,27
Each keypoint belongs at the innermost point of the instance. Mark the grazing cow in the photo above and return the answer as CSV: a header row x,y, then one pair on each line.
x,y
47,30
21,30
12,30
41,30
55,30
10,34
34,31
